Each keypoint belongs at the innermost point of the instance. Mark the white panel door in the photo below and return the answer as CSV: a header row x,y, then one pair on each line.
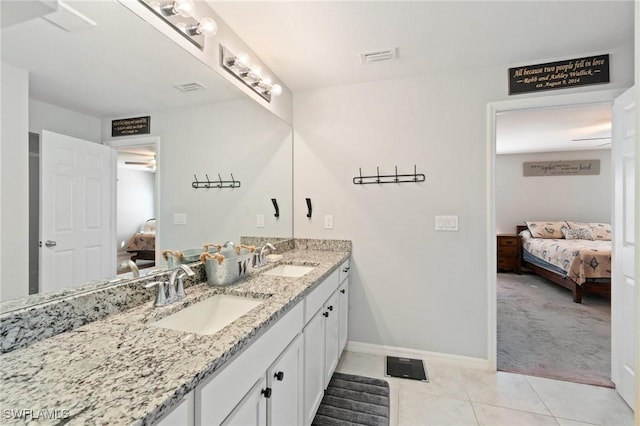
x,y
77,212
313,339
623,289
285,378
252,410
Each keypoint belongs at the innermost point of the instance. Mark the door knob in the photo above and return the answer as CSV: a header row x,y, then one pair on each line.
x,y
50,243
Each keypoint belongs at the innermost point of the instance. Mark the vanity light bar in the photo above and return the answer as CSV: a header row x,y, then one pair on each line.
x,y
179,14
251,75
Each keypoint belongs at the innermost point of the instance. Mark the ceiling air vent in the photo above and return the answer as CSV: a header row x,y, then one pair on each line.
x,y
190,87
378,55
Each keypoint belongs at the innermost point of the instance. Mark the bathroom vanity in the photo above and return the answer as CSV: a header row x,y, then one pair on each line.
x,y
270,365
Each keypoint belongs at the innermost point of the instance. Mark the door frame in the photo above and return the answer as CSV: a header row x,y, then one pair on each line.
x,y
139,141
493,108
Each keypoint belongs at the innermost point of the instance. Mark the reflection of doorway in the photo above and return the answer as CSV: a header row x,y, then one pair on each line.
x,y
538,323
137,206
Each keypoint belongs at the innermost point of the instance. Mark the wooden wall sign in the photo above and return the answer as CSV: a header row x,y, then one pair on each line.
x,y
131,126
561,168
559,75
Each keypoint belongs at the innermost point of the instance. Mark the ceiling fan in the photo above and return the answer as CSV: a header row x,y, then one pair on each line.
x,y
150,163
604,138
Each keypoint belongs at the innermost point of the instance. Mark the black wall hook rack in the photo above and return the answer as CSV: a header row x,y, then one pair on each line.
x,y
198,184
395,178
275,206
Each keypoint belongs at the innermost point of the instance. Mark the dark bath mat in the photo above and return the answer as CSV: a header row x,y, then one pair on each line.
x,y
352,400
406,368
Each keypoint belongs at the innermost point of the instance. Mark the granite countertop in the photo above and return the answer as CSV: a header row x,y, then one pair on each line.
x,y
121,370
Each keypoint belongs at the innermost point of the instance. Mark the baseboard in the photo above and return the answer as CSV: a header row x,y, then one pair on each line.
x,y
449,359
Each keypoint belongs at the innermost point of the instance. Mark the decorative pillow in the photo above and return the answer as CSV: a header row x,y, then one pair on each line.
x,y
546,229
601,231
579,225
149,226
577,234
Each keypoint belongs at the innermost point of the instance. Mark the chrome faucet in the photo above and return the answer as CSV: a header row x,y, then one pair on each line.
x,y
176,282
260,258
135,272
172,290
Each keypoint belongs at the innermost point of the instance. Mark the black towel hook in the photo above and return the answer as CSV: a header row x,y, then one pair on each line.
x,y
208,184
275,206
194,184
310,210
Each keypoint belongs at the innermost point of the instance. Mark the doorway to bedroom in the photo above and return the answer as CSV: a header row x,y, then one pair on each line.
x,y
541,331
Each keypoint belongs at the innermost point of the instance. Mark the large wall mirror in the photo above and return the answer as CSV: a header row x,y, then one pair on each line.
x,y
97,62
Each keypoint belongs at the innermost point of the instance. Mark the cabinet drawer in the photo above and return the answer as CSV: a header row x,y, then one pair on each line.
x,y
508,251
506,263
314,300
508,242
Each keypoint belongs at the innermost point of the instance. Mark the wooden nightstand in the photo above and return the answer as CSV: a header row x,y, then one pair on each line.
x,y
509,253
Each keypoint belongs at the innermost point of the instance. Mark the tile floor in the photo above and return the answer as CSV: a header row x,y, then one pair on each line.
x,y
459,396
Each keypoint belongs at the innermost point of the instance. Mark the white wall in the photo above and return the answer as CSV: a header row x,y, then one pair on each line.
x,y
236,137
136,202
575,198
412,287
44,116
14,175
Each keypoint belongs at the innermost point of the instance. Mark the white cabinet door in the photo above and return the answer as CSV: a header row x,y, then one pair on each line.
x,y
285,378
313,337
343,307
332,337
181,415
252,410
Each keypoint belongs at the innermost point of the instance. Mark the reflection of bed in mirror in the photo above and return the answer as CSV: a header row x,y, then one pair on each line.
x,y
142,244
582,265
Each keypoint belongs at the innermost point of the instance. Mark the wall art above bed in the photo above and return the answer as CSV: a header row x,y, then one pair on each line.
x,y
561,168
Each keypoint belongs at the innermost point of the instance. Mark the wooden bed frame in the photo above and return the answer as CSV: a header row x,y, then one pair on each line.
x,y
602,288
143,255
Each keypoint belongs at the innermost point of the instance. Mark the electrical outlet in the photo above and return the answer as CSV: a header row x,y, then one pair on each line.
x,y
328,221
179,218
260,221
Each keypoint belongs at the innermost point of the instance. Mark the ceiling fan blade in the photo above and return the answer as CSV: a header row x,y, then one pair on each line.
x,y
591,139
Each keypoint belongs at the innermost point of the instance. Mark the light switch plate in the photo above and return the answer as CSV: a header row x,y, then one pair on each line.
x,y
179,218
446,223
328,221
260,221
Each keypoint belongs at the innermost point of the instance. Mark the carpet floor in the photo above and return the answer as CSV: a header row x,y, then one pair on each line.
x,y
354,400
542,332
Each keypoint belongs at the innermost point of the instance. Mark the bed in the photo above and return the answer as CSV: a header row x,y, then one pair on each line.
x,y
574,255
142,244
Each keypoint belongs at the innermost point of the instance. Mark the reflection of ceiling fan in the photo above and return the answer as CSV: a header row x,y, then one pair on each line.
x,y
150,163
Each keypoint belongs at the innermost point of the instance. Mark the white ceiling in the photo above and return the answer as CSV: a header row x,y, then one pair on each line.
x,y
120,67
554,129
314,44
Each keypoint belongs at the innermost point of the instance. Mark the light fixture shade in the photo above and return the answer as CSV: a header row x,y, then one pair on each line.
x,y
241,60
276,90
184,7
207,26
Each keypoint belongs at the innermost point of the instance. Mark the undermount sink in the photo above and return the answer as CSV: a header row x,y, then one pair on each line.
x,y
292,271
210,315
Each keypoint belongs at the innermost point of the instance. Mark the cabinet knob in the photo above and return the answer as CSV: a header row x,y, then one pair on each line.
x,y
330,308
343,291
279,376
325,314
346,269
266,392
